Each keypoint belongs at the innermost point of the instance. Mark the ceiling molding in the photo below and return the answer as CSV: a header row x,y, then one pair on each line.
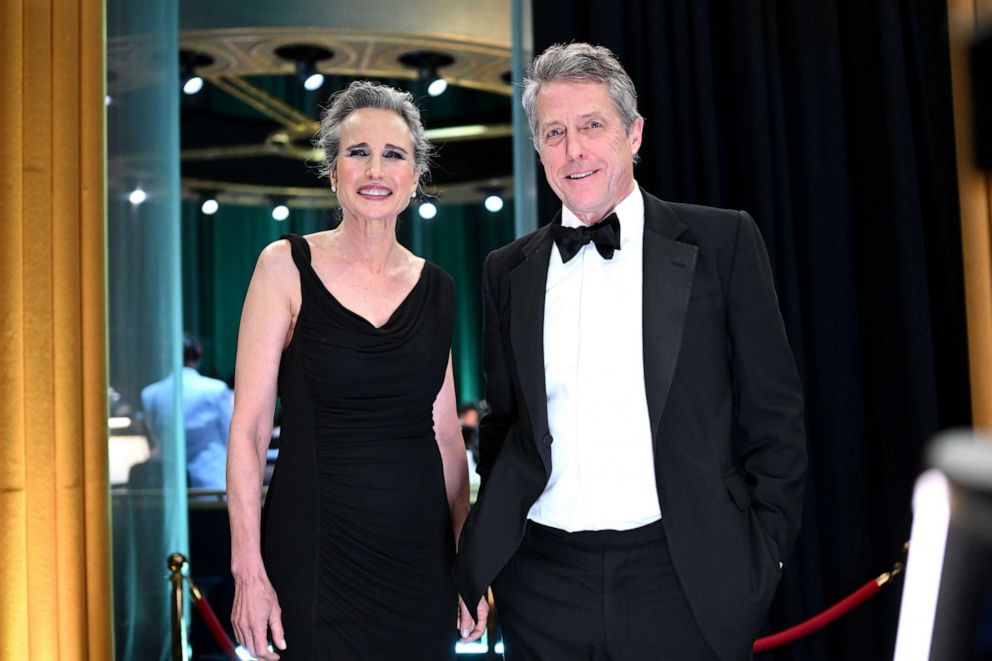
x,y
241,53
252,51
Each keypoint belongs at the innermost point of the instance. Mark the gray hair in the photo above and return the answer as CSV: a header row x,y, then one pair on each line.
x,y
366,94
580,62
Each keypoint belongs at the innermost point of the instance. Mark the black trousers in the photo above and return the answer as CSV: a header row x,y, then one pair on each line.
x,y
597,596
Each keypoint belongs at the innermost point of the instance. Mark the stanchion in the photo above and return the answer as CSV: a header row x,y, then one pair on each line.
x,y
176,563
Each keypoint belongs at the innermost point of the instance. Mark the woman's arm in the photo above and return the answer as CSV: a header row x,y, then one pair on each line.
x,y
452,445
267,320
448,432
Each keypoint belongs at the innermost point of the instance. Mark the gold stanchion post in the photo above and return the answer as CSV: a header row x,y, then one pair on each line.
x,y
176,563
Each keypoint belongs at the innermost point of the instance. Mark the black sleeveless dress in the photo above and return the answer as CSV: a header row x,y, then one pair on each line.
x,y
356,535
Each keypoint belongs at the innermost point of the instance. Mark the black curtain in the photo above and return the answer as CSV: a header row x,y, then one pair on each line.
x,y
831,123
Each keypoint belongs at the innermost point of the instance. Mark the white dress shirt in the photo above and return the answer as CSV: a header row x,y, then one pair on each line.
x,y
602,457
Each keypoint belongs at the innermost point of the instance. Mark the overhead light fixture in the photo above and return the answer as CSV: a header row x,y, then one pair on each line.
x,y
305,58
427,63
192,84
437,86
137,196
280,211
492,197
189,62
493,203
427,210
210,205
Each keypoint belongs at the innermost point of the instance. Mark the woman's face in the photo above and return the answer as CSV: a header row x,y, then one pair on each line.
x,y
375,174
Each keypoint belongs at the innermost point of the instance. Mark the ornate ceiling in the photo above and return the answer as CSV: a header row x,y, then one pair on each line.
x,y
246,137
471,126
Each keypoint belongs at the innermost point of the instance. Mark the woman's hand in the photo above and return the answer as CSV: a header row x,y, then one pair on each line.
x,y
472,630
256,612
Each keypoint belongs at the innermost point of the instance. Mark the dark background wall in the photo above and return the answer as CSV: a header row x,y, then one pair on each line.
x,y
830,122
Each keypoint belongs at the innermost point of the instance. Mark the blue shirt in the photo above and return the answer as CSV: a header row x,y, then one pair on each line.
x,y
207,406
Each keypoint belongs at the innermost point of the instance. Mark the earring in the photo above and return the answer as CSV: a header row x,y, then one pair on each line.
x,y
334,189
413,194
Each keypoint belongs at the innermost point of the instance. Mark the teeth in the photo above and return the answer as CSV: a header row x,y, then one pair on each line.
x,y
378,192
579,175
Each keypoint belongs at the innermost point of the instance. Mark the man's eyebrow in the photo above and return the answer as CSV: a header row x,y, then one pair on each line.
x,y
595,114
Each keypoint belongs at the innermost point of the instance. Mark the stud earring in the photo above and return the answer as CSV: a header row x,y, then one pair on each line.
x,y
334,189
413,194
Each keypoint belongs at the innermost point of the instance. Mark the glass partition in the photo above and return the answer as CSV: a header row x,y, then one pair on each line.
x,y
147,445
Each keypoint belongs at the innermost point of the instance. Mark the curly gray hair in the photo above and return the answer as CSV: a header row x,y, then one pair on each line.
x,y
367,94
579,62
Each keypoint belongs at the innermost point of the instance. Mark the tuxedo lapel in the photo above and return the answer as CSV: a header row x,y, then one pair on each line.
x,y
527,286
669,269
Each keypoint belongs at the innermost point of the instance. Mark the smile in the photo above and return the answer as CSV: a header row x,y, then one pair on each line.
x,y
580,175
374,191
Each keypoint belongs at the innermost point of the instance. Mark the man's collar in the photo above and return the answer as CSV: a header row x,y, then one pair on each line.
x,y
630,206
630,211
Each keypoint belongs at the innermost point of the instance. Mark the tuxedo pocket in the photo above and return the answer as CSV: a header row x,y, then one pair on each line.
x,y
737,487
706,303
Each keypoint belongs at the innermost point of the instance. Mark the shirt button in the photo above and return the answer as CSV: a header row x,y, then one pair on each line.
x,y
547,439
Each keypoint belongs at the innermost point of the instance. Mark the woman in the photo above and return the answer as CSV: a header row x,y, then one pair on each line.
x,y
353,558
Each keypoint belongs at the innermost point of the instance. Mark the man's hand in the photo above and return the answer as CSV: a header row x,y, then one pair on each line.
x,y
468,629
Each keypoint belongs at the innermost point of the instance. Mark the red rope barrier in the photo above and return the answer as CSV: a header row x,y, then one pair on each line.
x,y
842,607
216,629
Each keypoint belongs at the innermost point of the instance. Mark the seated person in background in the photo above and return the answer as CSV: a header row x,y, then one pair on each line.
x,y
207,405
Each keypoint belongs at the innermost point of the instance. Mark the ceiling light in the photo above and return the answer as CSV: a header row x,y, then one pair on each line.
x,y
305,58
209,206
280,212
427,210
192,84
427,64
437,87
313,82
137,196
493,203
189,61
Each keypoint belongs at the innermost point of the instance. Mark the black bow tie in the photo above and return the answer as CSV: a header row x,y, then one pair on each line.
x,y
605,234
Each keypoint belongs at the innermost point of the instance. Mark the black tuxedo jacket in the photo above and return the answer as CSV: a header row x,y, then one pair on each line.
x,y
724,400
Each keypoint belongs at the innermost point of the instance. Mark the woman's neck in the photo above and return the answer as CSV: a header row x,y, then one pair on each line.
x,y
370,245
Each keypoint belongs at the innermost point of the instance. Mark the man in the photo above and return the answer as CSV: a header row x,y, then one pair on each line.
x,y
207,406
642,464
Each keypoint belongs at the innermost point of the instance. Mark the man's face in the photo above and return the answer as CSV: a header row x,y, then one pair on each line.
x,y
588,158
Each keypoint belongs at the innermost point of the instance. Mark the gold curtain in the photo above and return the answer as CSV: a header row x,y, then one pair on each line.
x,y
55,589
975,192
